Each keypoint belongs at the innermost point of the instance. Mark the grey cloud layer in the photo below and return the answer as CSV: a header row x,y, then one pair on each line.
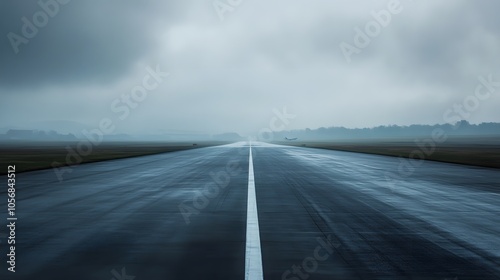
x,y
86,42
229,75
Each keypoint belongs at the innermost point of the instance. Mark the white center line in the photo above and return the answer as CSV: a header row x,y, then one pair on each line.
x,y
253,255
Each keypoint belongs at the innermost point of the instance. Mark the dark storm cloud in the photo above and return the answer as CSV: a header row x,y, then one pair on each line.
x,y
84,42
230,75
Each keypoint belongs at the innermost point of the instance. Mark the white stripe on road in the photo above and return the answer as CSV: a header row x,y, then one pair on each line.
x,y
253,255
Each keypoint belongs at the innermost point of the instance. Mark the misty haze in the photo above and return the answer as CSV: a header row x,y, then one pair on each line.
x,y
233,139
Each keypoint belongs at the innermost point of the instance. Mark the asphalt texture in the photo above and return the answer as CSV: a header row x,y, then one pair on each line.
x,y
322,215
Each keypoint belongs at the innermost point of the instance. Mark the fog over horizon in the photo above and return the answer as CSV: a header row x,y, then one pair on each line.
x,y
232,70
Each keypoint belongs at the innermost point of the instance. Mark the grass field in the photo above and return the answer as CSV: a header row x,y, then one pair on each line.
x,y
483,152
29,156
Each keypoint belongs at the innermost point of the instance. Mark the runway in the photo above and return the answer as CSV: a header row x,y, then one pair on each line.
x,y
321,215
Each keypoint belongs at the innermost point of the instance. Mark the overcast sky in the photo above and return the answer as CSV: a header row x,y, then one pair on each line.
x,y
231,66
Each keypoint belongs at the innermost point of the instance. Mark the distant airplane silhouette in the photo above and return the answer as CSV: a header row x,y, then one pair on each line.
x,y
290,139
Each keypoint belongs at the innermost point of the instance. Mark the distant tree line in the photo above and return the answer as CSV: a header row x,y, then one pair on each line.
x,y
36,135
462,128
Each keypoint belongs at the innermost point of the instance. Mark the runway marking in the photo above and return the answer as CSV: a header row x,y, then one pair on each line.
x,y
253,255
